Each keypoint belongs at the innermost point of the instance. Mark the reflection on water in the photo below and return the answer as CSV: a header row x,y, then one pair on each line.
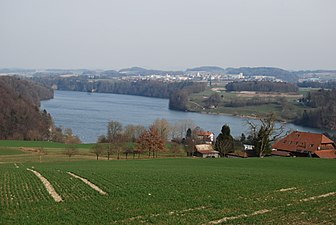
x,y
87,114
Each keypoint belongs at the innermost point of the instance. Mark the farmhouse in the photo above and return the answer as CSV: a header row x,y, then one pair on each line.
x,y
206,137
205,151
305,144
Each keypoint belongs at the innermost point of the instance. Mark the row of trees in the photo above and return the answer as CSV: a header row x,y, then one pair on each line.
x,y
148,88
262,86
315,84
137,140
177,92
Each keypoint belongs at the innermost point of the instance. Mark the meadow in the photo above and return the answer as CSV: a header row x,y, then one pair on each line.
x,y
283,111
171,191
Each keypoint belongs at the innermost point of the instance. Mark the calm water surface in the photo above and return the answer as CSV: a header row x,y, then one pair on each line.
x,y
87,114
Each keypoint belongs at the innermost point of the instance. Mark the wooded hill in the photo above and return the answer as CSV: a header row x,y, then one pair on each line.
x,y
323,112
20,117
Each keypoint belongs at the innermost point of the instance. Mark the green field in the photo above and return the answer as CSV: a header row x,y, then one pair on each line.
x,y
172,191
4,151
37,144
14,151
289,112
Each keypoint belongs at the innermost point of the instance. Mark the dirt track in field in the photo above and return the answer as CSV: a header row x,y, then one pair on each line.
x,y
48,186
93,186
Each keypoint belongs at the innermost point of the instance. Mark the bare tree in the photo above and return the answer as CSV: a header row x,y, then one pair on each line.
x,y
71,141
70,150
109,151
98,149
132,132
180,128
163,128
70,138
114,128
264,132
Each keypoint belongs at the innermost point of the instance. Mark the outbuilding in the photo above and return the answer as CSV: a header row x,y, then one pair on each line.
x,y
205,151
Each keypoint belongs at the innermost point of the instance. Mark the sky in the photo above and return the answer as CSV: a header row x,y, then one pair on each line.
x,y
167,34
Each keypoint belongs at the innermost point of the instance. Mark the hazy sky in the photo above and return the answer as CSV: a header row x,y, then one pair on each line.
x,y
167,34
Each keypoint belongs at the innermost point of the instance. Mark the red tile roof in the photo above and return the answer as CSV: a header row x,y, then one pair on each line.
x,y
326,154
304,141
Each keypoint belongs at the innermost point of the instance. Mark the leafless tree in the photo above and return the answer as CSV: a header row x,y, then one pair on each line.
x,y
179,129
98,149
163,128
114,128
70,150
264,132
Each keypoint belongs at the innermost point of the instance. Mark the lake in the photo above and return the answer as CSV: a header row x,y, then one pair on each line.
x,y
87,114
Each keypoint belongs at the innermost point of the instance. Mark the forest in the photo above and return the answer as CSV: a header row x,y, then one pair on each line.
x,y
177,92
20,117
262,86
314,84
147,88
323,112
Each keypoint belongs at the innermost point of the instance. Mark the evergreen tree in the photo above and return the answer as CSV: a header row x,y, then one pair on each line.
x,y
224,141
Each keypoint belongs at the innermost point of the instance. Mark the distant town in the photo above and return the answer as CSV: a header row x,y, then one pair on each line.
x,y
211,74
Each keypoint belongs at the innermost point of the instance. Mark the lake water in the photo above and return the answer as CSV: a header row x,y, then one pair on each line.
x,y
87,114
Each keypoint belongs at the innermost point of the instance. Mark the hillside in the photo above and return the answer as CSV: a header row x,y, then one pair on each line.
x,y
20,117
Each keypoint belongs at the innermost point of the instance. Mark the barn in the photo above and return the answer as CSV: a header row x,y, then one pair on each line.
x,y
205,151
305,144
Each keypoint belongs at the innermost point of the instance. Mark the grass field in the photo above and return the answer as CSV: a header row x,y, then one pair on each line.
x,y
37,144
10,151
14,151
196,103
172,191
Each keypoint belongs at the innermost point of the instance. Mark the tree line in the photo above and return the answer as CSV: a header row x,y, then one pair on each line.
x,y
176,92
315,84
261,86
322,112
163,138
137,140
148,88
